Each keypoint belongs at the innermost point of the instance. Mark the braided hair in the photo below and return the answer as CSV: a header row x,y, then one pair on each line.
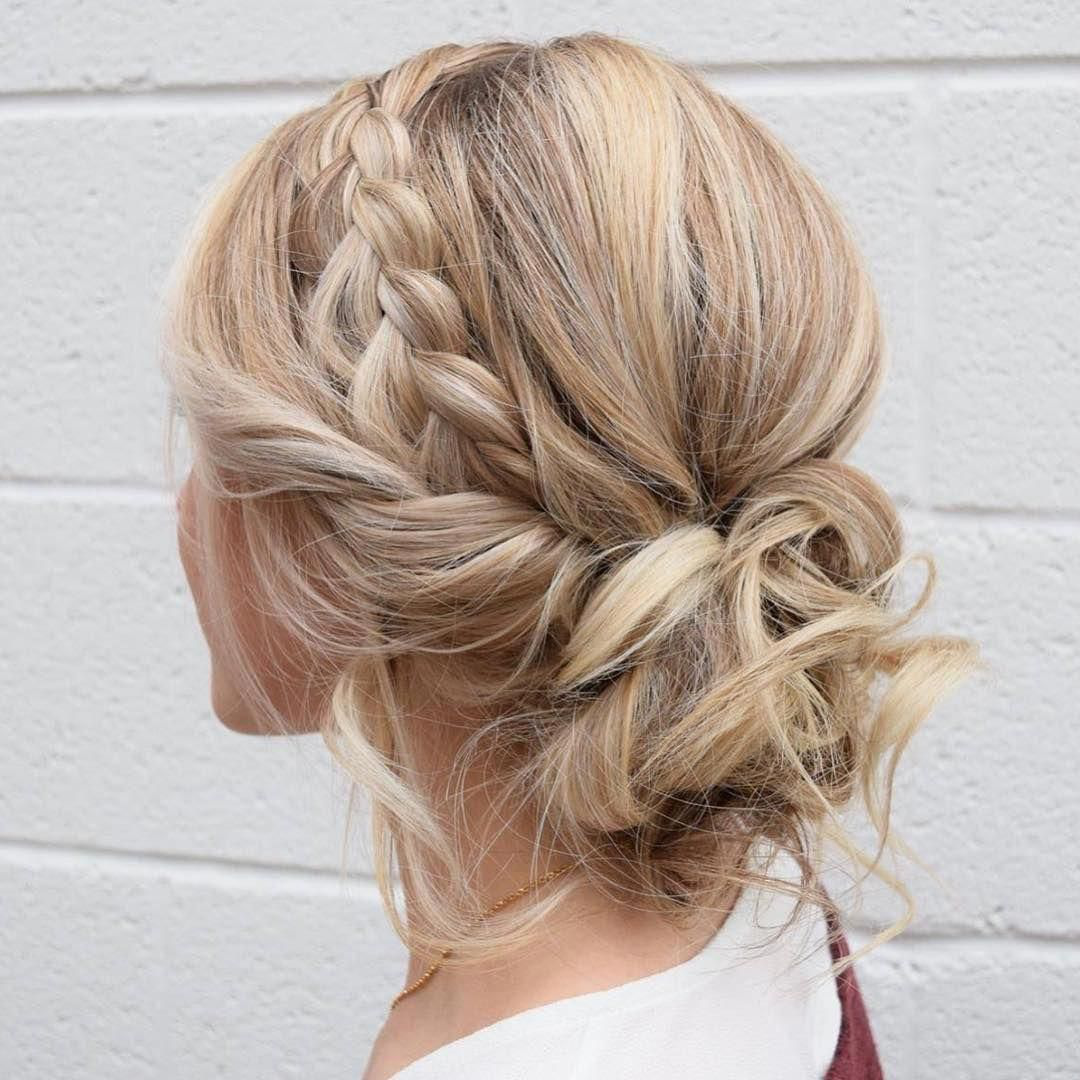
x,y
528,372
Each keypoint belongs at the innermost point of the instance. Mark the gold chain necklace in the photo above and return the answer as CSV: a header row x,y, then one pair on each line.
x,y
550,875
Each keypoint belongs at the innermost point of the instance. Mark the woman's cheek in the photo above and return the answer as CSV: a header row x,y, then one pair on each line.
x,y
281,666
227,704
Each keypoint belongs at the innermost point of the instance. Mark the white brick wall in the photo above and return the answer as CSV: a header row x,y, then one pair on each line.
x,y
168,889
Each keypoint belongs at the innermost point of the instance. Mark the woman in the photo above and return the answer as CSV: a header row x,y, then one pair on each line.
x,y
519,380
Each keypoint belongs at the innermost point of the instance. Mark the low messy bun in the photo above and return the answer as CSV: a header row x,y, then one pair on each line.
x,y
528,372
737,683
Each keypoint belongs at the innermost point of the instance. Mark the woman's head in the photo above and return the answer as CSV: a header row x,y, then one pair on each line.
x,y
519,379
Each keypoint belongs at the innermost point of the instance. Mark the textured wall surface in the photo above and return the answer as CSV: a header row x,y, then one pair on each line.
x,y
169,894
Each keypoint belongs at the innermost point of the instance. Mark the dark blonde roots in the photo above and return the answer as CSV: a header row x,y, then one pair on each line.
x,y
530,369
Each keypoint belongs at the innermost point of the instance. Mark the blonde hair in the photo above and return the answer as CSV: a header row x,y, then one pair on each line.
x,y
527,372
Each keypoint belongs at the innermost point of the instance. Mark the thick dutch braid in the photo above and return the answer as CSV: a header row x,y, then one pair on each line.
x,y
382,283
381,286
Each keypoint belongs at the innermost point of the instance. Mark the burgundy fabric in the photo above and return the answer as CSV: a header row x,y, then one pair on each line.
x,y
856,1055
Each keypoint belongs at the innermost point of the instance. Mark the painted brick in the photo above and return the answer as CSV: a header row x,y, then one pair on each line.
x,y
1006,381
984,791
776,31
132,970
959,1010
129,45
95,204
109,737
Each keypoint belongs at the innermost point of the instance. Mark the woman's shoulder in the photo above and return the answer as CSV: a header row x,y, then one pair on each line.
x,y
753,1003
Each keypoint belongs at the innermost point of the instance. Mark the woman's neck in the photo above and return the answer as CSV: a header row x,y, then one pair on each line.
x,y
588,944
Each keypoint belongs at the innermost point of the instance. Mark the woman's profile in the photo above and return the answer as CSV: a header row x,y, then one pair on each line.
x,y
519,380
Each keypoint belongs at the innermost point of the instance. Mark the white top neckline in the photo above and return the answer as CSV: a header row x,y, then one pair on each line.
x,y
734,979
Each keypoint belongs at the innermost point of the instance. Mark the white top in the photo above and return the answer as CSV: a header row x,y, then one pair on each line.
x,y
726,1012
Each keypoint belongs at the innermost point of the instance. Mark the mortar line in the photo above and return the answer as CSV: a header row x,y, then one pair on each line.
x,y
324,881
826,75
126,861
73,489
